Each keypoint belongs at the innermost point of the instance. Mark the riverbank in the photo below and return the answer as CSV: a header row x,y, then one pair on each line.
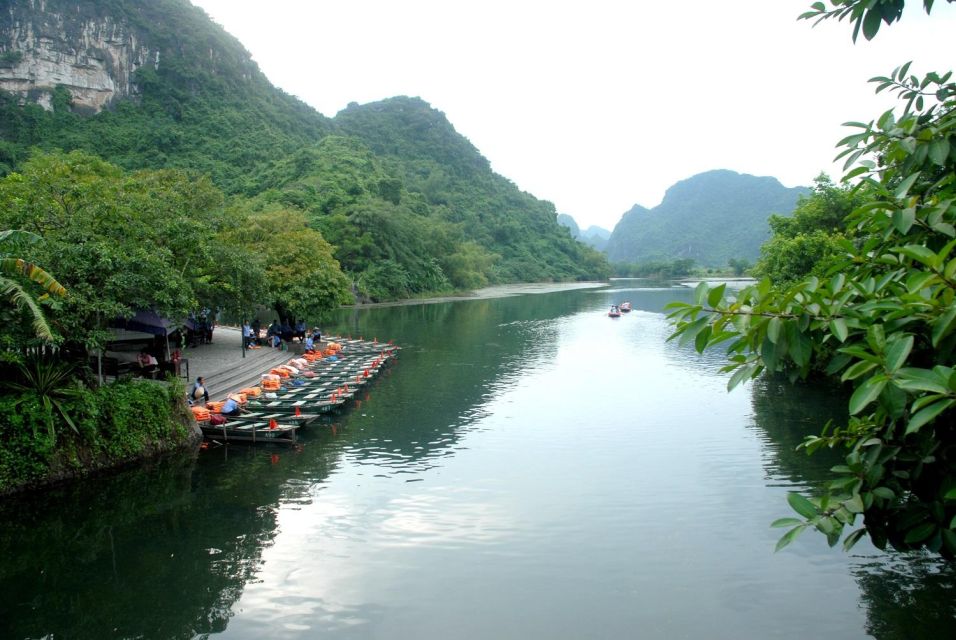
x,y
487,293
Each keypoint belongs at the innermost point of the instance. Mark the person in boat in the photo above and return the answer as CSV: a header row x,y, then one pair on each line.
x,y
231,408
198,393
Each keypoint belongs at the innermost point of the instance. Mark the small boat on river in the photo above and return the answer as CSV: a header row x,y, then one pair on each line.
x,y
615,312
254,432
625,307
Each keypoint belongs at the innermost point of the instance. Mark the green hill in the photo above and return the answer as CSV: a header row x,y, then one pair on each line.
x,y
709,218
410,205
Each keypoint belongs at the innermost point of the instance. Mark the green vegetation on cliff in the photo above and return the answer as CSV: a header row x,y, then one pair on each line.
x,y
409,205
709,218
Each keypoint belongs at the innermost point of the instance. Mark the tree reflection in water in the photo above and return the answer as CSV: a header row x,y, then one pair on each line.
x,y
907,596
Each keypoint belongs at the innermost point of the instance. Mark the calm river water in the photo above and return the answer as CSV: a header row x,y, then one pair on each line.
x,y
528,468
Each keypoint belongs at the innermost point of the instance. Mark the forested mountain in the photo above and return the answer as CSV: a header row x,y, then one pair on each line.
x,y
409,204
710,218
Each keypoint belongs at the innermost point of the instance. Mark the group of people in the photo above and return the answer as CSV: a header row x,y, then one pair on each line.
x,y
276,335
200,327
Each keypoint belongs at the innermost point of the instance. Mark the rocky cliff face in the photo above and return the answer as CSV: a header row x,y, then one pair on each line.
x,y
44,45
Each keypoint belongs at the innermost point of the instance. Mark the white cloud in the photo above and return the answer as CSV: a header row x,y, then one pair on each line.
x,y
597,106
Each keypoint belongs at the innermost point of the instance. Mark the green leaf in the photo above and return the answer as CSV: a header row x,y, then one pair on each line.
x,y
866,393
801,348
839,329
897,353
836,283
903,219
943,325
927,415
913,379
853,538
939,151
854,504
700,342
884,492
741,374
920,254
919,533
773,329
716,295
785,522
802,506
690,331
857,370
871,23
789,537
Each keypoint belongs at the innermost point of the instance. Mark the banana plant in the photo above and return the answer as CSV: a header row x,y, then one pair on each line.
x,y
12,273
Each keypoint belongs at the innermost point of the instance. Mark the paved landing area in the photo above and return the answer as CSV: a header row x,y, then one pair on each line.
x,y
223,366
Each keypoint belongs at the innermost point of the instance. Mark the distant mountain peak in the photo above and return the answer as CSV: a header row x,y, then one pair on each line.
x,y
709,217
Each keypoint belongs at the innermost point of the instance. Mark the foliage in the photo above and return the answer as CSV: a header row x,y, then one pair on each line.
x,y
50,381
866,15
302,278
738,266
655,268
125,242
808,242
14,270
883,321
113,423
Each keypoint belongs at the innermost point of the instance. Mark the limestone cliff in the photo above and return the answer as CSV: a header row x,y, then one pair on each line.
x,y
44,45
103,51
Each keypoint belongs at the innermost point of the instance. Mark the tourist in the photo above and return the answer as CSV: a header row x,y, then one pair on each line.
x,y
256,328
198,393
286,332
148,363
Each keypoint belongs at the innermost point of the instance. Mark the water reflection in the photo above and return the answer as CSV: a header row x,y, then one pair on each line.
x,y
158,554
527,468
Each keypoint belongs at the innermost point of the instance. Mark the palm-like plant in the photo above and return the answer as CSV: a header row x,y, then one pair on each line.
x,y
13,270
51,382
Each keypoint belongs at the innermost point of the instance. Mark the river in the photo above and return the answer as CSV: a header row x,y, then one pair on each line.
x,y
527,468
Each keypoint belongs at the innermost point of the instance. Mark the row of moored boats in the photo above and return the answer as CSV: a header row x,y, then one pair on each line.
x,y
296,393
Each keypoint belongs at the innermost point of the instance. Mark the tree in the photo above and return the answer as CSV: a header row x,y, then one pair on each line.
x,y
302,278
738,265
808,242
13,270
883,320
124,242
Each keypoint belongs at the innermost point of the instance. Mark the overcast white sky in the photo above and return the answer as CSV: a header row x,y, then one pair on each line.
x,y
598,105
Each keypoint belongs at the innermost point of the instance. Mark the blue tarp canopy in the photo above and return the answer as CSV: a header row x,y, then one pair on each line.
x,y
146,322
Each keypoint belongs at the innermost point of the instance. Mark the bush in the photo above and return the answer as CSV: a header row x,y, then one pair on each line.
x,y
115,423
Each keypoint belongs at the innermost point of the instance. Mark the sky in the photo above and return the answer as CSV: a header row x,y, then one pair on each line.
x,y
597,106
